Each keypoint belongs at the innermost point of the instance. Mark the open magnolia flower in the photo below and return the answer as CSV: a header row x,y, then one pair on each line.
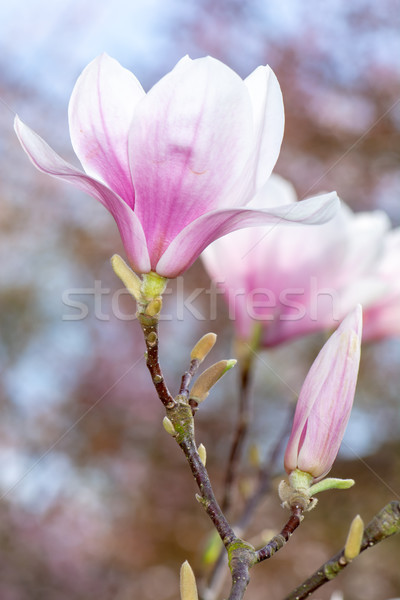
x,y
176,166
291,282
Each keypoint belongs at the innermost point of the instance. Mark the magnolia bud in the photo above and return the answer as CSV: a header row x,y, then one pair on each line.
x,y
202,453
154,307
188,585
203,347
208,378
325,401
354,539
131,281
168,426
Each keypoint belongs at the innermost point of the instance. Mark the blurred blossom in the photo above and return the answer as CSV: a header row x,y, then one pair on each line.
x,y
177,166
325,401
297,280
382,317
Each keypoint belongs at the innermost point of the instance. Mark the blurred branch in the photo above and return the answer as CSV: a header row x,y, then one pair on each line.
x,y
385,524
240,434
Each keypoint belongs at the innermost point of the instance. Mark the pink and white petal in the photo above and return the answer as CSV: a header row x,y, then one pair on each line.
x,y
192,240
46,160
190,140
100,112
277,191
330,387
269,121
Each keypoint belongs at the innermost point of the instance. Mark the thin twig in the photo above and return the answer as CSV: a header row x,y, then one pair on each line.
x,y
217,576
385,523
207,497
180,414
188,376
150,331
278,541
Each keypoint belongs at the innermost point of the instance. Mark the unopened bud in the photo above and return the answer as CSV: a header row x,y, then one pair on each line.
x,y
354,539
202,453
154,307
131,281
208,378
188,585
203,347
254,456
246,488
168,426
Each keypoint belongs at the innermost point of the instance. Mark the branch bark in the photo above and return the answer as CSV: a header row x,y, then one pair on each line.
x,y
384,524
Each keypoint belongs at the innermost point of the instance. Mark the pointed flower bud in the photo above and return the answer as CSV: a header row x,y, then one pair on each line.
x,y
208,378
168,426
131,281
354,539
325,402
154,307
188,585
202,453
203,347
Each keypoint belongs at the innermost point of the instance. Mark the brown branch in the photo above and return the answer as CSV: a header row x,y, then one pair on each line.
x,y
216,578
180,414
188,376
206,497
382,526
150,331
278,541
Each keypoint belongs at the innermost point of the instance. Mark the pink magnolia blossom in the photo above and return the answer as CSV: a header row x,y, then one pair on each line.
x,y
382,316
296,280
325,401
177,166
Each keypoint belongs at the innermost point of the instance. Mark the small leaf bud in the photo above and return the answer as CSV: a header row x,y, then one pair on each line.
x,y
154,307
254,456
131,281
354,539
168,426
188,585
208,378
203,347
202,453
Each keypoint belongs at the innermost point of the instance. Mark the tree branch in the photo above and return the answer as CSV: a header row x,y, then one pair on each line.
x,y
385,523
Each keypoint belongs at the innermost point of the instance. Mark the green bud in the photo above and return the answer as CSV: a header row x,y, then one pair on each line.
x,y
208,378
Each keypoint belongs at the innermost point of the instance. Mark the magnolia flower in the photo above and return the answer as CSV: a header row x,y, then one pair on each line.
x,y
296,280
177,166
325,401
382,316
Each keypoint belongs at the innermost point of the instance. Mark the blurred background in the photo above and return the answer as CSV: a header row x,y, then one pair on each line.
x,y
95,499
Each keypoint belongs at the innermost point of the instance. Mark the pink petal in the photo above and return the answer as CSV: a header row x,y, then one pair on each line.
x,y
101,108
190,242
269,120
325,401
190,141
48,161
